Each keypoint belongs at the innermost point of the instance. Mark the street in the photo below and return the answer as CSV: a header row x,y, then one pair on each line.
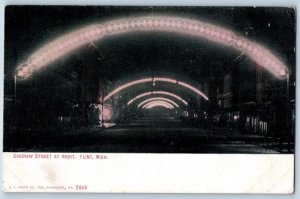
x,y
152,134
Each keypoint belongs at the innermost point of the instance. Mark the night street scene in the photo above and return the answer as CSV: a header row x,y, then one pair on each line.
x,y
149,79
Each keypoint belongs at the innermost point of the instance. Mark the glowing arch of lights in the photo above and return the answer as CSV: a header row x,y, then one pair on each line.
x,y
159,93
151,104
66,43
158,98
157,105
155,79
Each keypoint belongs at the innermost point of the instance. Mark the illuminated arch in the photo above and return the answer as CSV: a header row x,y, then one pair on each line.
x,y
66,43
158,98
155,79
159,93
157,103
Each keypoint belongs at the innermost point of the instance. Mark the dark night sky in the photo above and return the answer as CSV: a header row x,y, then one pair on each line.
x,y
27,27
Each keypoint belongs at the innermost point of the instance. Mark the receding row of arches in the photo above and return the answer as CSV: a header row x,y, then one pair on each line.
x,y
69,42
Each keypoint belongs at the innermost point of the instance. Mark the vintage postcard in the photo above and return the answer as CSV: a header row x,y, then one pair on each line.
x,y
149,99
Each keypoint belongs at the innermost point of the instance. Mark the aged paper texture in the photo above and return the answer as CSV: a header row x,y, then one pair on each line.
x,y
144,99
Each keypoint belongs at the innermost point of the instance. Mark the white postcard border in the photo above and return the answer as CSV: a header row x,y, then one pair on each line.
x,y
148,173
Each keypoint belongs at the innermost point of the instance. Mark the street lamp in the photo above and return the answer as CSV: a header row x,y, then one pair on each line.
x,y
286,73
